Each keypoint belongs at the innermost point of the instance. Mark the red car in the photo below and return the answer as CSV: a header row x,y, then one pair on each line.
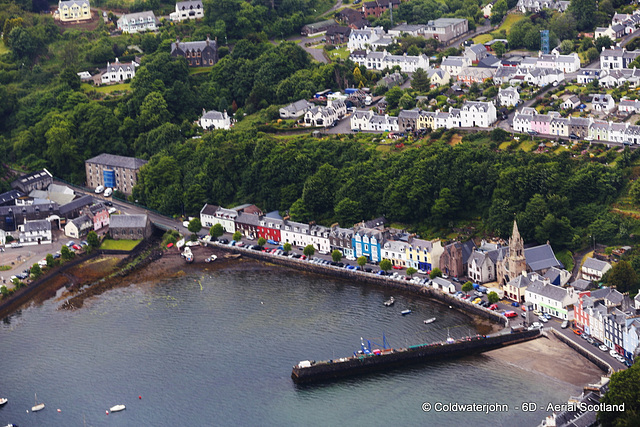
x,y
397,267
510,314
493,307
577,331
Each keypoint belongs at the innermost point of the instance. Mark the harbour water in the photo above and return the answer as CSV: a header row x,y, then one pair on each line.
x,y
217,347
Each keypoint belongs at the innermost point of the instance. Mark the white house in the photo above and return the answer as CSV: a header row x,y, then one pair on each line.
x,y
35,232
395,251
296,109
571,102
78,227
593,269
551,299
362,39
320,116
118,72
226,218
454,64
521,122
603,103
477,114
508,97
617,58
215,120
382,60
208,215
187,10
629,106
137,22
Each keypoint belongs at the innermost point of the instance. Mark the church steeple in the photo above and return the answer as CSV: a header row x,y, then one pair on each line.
x,y
516,244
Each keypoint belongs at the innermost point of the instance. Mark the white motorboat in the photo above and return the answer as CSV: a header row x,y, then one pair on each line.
x,y
389,302
38,406
117,408
405,312
3,400
433,319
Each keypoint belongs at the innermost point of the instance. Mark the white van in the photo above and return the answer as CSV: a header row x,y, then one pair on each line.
x,y
108,192
99,189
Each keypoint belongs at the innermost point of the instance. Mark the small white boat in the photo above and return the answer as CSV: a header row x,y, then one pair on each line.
x,y
117,408
433,319
405,312
389,302
38,406
3,400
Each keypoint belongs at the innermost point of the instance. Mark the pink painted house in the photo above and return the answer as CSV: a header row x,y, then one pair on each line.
x,y
98,214
541,123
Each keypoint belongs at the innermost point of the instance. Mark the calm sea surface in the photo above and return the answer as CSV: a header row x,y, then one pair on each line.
x,y
217,347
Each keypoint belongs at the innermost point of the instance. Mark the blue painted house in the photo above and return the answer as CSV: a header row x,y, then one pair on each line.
x,y
367,242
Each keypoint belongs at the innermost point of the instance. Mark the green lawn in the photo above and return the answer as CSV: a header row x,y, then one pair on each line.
x,y
341,53
121,245
3,48
482,38
508,23
123,87
198,70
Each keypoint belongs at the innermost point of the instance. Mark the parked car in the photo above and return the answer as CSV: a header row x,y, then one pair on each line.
x,y
603,347
577,331
223,241
510,314
397,267
543,319
493,307
515,304
272,242
537,325
565,324
108,192
381,273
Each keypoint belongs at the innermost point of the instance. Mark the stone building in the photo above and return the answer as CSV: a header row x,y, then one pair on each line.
x,y
514,263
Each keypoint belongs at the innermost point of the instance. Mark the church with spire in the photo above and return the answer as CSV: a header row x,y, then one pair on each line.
x,y
514,262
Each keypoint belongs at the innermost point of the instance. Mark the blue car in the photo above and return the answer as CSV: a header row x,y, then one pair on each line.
x,y
272,242
515,304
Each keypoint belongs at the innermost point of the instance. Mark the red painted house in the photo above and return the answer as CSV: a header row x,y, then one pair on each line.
x,y
98,214
270,227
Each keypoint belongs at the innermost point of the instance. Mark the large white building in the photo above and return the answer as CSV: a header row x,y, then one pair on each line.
x,y
215,120
364,39
382,60
617,58
119,72
137,22
187,10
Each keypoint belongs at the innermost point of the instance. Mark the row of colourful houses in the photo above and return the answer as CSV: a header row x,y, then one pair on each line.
x,y
528,120
612,318
471,114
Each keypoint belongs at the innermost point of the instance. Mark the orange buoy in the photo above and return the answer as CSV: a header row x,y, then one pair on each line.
x,y
59,410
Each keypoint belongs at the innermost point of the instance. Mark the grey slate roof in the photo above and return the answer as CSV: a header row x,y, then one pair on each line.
x,y
80,202
37,225
10,196
82,222
208,209
300,105
521,281
245,218
32,177
128,221
553,292
541,257
582,285
595,264
115,161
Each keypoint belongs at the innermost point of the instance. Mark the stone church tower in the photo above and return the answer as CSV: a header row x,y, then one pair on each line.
x,y
514,263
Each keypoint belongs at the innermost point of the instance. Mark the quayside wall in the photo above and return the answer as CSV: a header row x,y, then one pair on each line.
x,y
311,371
604,366
363,277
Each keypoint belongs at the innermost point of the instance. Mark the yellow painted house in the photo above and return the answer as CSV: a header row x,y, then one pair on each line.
x,y
74,10
423,254
426,120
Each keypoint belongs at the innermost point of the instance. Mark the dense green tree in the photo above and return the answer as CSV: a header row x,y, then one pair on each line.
x,y
93,240
622,276
336,255
262,241
420,81
195,226
287,247
362,260
499,49
624,389
467,287
493,297
309,251
603,41
50,260
585,13
153,111
566,47
411,271
36,271
436,272
563,25
385,265
237,236
498,12
216,231
593,54
348,211
66,253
